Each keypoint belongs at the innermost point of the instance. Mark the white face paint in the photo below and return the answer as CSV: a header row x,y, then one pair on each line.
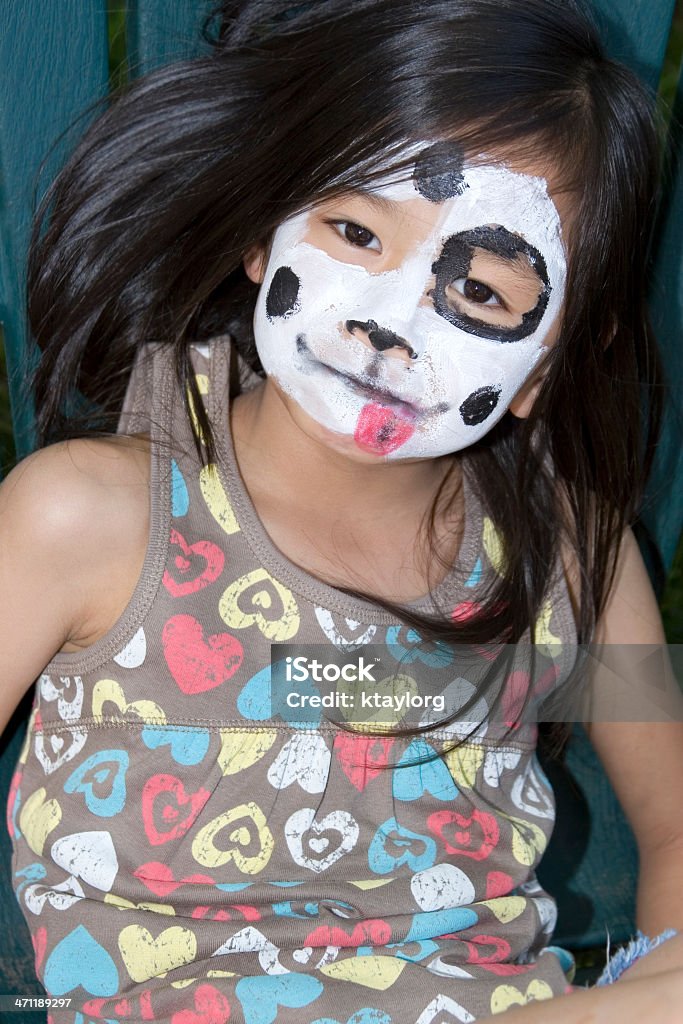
x,y
421,358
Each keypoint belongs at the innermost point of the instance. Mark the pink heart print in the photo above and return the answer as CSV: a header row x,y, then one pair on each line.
x,y
195,662
196,565
362,757
210,1007
367,933
474,836
160,880
168,810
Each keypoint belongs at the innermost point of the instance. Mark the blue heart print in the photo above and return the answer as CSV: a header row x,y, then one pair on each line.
x,y
432,923
79,960
262,995
180,499
188,746
285,909
421,771
436,655
424,949
107,769
368,1015
475,576
31,873
265,696
13,824
382,861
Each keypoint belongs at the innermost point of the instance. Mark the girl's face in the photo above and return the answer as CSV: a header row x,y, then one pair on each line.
x,y
403,320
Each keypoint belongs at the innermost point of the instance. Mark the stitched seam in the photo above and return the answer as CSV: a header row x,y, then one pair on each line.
x,y
192,725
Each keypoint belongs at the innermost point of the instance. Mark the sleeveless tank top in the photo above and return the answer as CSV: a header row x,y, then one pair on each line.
x,y
184,851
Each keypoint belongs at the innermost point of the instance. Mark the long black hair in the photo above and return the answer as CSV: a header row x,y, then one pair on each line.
x,y
141,237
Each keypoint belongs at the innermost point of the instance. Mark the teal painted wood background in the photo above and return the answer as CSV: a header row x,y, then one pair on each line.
x,y
53,65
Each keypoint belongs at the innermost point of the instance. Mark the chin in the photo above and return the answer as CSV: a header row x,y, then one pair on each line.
x,y
344,443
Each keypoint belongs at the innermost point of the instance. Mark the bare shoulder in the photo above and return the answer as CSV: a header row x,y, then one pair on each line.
x,y
80,487
74,520
83,463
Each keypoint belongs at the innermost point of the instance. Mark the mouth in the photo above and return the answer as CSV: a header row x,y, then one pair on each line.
x,y
365,387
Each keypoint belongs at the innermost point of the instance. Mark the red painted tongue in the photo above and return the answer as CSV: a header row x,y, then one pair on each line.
x,y
382,430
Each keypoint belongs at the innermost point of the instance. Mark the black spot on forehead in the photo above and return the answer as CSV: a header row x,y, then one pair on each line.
x,y
283,294
438,174
478,406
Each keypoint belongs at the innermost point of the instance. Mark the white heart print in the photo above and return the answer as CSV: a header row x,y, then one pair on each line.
x,y
305,758
90,856
304,821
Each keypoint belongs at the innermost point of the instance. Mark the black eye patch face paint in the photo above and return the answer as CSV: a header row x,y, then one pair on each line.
x,y
480,404
438,173
454,264
283,294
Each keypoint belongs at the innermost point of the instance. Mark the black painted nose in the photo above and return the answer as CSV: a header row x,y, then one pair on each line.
x,y
380,338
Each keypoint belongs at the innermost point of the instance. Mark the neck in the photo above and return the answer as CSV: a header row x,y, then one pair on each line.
x,y
285,459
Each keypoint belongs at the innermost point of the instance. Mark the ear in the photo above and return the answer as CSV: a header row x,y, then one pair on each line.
x,y
255,263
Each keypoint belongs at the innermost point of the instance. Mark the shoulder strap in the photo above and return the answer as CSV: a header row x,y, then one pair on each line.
x,y
136,412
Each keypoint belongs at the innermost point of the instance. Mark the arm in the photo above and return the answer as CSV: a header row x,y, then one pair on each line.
x,y
644,761
645,764
73,529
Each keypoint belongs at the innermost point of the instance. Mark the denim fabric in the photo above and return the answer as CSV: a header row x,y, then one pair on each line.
x,y
637,948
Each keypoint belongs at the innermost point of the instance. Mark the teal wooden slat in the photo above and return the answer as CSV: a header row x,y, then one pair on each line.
x,y
664,513
65,45
636,32
159,32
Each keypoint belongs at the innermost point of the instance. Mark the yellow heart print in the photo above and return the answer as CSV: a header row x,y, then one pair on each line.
x,y
463,763
258,599
209,855
505,996
38,818
493,546
378,972
109,691
240,749
217,500
203,388
146,957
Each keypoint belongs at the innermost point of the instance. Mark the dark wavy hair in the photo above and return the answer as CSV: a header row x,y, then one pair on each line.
x,y
141,237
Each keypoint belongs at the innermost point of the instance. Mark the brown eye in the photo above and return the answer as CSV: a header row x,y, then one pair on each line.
x,y
355,234
475,291
358,235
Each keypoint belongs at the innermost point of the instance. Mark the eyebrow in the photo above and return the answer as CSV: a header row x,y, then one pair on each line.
x,y
381,203
509,262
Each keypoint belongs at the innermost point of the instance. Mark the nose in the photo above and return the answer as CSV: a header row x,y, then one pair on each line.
x,y
381,338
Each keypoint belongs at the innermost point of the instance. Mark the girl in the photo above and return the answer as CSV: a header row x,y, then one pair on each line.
x,y
352,312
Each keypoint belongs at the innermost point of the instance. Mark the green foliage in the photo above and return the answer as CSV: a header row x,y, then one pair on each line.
x,y
118,62
671,70
672,602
